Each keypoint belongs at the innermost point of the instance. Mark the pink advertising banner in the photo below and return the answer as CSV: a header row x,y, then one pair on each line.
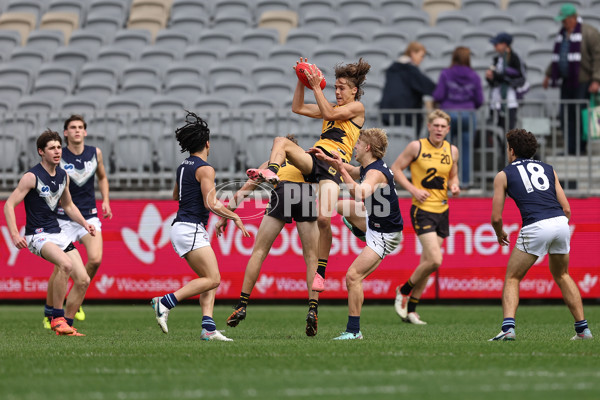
x,y
139,261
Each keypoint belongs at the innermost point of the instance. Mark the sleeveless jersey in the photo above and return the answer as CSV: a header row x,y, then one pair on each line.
x,y
82,170
289,173
531,184
41,202
191,202
382,206
430,171
340,136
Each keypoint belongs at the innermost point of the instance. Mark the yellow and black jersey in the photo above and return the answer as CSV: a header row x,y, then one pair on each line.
x,y
430,171
340,136
289,173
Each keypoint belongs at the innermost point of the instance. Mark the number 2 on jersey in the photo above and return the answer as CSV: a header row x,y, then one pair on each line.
x,y
538,178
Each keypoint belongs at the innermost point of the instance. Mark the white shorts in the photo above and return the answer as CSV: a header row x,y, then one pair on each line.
x,y
36,241
383,243
74,231
186,236
548,236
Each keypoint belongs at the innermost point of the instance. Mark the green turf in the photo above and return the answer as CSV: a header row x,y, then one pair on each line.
x,y
126,356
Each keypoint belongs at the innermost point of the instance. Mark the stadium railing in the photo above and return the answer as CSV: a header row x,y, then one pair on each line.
x,y
141,153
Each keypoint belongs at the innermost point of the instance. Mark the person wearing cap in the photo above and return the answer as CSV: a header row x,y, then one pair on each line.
x,y
505,77
576,65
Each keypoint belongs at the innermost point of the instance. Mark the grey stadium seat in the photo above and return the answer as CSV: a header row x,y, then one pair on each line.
x,y
186,91
216,38
189,23
320,22
347,37
98,72
233,22
241,54
260,38
200,55
304,38
173,39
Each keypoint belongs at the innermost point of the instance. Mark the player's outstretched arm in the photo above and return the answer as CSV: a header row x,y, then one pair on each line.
x,y
26,183
206,176
239,196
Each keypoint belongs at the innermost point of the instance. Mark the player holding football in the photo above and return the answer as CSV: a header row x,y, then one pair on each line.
x,y
41,188
195,191
382,224
545,214
292,198
433,169
82,163
341,125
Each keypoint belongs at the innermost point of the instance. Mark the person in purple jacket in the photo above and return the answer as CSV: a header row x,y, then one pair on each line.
x,y
459,93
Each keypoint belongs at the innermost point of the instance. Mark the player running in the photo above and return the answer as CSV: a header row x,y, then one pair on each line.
x,y
195,191
82,163
545,213
41,188
433,171
341,125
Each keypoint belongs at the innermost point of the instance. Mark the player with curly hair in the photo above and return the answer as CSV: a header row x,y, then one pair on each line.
x,y
545,211
195,191
341,126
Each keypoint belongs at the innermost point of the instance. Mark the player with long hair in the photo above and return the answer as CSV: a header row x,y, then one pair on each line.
x,y
341,125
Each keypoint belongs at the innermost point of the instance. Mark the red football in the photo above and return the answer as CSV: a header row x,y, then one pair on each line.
x,y
301,67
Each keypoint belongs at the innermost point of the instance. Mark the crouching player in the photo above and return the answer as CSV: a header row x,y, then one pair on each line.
x,y
383,222
41,188
545,212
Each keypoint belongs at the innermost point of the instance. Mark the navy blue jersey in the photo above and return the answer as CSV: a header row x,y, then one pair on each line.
x,y
382,206
191,202
531,185
82,170
42,201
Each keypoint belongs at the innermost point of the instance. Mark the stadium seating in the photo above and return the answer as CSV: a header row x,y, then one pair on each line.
x,y
65,22
280,20
21,22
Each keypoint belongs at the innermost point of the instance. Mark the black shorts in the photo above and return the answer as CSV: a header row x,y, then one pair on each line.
x,y
322,171
292,200
425,222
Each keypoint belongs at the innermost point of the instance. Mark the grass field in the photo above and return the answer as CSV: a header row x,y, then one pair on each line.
x,y
126,356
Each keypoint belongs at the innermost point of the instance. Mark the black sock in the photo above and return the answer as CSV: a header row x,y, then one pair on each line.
x,y
321,267
244,297
313,305
407,288
48,311
274,167
412,304
69,321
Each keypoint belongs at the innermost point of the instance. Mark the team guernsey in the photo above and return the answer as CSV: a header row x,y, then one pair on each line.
x,y
429,171
191,201
290,173
41,202
340,136
382,206
82,170
531,184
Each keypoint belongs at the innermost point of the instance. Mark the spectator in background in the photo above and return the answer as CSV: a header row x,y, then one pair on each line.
x,y
405,86
459,93
506,77
576,63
